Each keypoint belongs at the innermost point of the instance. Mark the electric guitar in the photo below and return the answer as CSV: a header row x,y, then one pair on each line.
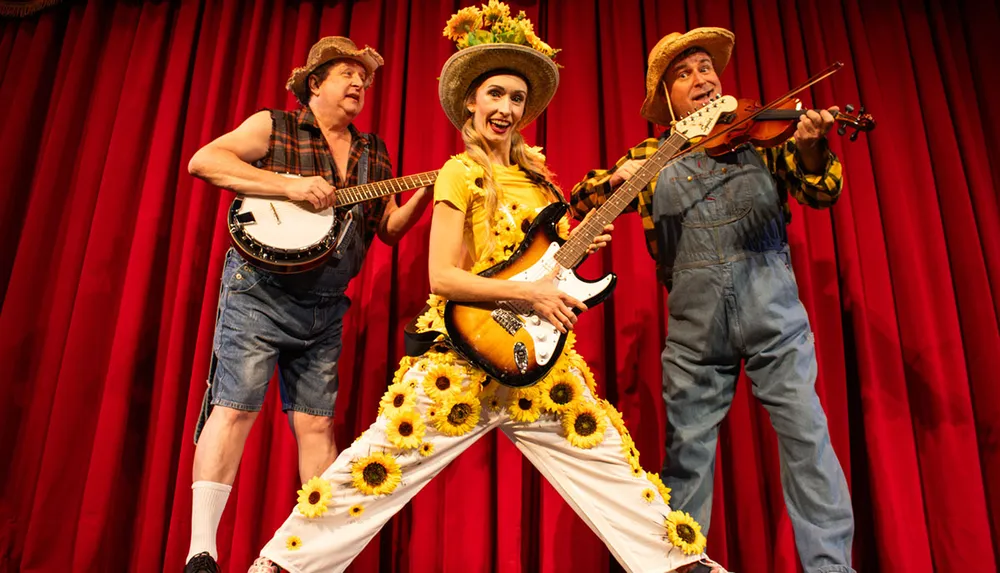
x,y
506,339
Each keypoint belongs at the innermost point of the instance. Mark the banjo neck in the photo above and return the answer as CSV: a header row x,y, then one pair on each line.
x,y
375,189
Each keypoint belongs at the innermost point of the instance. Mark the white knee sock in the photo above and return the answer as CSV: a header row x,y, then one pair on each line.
x,y
208,499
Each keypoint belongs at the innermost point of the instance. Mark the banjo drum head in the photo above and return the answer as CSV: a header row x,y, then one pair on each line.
x,y
286,225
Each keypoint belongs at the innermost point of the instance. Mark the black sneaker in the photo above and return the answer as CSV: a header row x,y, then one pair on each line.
x,y
202,563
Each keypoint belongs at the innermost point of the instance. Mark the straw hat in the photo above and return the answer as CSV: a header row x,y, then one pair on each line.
x,y
718,42
331,48
467,65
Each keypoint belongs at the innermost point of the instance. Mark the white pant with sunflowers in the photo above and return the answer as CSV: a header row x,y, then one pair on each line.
x,y
436,408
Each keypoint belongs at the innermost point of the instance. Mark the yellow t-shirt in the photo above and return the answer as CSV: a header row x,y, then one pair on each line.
x,y
459,183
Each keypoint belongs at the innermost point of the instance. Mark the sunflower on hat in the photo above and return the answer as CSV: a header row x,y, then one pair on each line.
x,y
493,24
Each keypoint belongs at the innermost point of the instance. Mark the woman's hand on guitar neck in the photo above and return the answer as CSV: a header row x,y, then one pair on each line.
x,y
551,303
315,190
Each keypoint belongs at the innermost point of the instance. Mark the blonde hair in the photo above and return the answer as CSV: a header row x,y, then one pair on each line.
x,y
529,160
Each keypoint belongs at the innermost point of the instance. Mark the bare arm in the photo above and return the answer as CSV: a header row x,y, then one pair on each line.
x,y
227,162
396,220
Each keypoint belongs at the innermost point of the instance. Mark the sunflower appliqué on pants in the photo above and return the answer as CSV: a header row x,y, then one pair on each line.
x,y
437,407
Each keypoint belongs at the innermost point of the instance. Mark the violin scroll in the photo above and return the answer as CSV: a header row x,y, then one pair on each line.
x,y
861,122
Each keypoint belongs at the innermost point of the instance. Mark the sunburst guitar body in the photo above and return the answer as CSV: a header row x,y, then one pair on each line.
x,y
506,338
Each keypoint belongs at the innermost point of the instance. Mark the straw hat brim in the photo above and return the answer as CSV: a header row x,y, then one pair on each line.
x,y
367,57
468,64
718,42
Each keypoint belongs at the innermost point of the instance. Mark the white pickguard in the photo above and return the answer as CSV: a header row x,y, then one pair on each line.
x,y
545,336
283,224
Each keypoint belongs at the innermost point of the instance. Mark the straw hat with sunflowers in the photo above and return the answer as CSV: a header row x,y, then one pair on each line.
x,y
490,40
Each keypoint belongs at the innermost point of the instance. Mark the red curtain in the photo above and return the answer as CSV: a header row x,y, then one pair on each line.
x,y
111,258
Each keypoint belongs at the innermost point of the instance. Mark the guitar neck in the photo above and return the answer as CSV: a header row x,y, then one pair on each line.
x,y
376,189
575,249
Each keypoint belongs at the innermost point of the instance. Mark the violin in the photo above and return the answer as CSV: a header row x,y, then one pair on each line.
x,y
749,123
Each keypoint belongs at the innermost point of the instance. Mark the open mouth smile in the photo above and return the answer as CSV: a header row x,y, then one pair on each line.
x,y
499,126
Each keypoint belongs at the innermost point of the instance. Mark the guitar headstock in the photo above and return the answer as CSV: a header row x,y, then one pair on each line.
x,y
700,123
861,122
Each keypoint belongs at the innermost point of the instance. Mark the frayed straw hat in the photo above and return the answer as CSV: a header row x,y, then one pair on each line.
x,y
491,40
718,42
331,48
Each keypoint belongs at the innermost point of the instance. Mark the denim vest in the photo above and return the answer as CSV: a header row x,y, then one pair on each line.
x,y
713,210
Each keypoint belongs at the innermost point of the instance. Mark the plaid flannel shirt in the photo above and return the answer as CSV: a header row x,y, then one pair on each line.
x,y
818,191
288,154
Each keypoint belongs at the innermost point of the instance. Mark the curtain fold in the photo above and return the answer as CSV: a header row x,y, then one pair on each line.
x,y
109,278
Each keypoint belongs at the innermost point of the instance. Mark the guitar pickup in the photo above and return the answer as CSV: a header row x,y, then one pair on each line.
x,y
507,320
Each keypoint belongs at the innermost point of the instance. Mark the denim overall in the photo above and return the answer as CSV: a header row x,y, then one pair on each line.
x,y
291,321
733,298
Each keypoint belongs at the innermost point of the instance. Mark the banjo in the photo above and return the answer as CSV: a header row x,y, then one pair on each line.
x,y
284,236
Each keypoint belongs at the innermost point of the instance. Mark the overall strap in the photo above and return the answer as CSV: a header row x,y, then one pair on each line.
x,y
363,161
352,223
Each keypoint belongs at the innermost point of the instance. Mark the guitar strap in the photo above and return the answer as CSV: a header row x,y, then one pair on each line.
x,y
417,343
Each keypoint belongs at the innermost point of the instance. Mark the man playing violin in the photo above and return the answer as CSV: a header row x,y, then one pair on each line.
x,y
716,228
292,321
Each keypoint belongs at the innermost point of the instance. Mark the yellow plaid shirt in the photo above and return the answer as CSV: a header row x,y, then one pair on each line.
x,y
818,191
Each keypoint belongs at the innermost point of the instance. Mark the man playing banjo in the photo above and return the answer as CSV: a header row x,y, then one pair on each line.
x,y
293,321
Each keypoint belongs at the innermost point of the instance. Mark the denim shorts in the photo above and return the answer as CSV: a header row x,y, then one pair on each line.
x,y
266,320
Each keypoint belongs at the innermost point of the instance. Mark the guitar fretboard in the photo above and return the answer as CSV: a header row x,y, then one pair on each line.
x,y
573,250
376,189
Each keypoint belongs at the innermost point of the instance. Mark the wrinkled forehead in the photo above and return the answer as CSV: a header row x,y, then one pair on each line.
x,y
348,64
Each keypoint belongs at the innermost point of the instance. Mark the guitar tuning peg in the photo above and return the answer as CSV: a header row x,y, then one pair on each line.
x,y
842,129
854,136
849,108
